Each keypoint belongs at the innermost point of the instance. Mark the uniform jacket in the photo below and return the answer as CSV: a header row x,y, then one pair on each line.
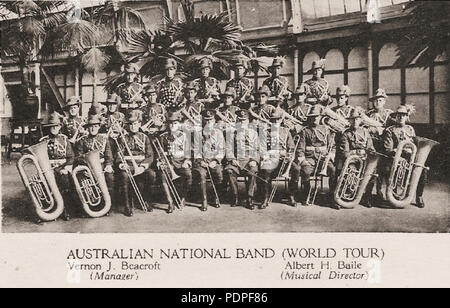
x,y
319,137
178,147
343,111
213,146
264,111
119,116
243,86
129,93
59,148
139,144
206,87
277,85
317,87
71,125
358,139
394,135
170,92
99,142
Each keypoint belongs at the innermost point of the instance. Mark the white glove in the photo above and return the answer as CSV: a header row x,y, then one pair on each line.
x,y
187,164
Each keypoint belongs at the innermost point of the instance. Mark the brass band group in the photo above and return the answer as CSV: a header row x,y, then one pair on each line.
x,y
183,134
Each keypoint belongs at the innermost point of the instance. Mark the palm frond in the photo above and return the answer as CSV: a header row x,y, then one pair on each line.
x,y
94,60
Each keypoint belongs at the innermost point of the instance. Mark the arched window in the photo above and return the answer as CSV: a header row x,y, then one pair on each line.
x,y
334,69
390,76
441,89
308,59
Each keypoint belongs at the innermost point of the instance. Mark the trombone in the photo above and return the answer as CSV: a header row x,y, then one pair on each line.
x,y
168,173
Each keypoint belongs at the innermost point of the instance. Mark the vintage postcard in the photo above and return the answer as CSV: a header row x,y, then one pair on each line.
x,y
226,143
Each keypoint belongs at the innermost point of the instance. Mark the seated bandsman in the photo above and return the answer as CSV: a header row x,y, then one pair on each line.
x,y
209,161
208,87
356,141
242,158
299,109
227,112
61,157
193,108
113,117
136,149
316,145
73,124
391,138
242,85
100,142
280,147
177,143
262,111
170,88
154,114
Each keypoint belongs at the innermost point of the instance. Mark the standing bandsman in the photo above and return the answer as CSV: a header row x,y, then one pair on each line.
x,y
209,161
319,89
356,141
208,87
112,116
177,143
130,91
316,144
278,85
280,147
193,107
61,158
170,88
242,158
135,147
154,114
342,99
391,139
73,125
299,109
227,112
100,142
242,85
262,111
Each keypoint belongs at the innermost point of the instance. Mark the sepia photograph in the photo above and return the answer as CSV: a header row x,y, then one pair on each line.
x,y
225,116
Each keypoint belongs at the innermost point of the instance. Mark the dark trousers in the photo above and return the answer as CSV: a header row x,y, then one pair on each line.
x,y
64,182
307,170
144,182
233,173
270,174
200,175
184,183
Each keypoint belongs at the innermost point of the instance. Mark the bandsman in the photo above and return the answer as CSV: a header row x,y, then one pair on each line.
x,y
280,147
299,109
131,90
242,85
100,142
242,159
73,124
278,85
154,113
113,117
262,111
208,87
137,151
193,107
356,141
61,157
170,88
209,161
314,152
319,89
391,139
177,143
227,112
342,96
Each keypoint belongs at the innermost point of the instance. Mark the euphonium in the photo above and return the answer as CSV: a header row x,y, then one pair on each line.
x,y
47,199
91,187
355,176
335,121
405,174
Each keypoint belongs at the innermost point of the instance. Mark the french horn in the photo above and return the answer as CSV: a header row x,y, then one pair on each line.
x,y
47,199
406,172
90,184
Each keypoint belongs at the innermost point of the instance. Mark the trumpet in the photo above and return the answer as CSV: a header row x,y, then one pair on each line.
x,y
42,187
157,120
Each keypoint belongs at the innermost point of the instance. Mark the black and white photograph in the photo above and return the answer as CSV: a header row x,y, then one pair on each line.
x,y
225,116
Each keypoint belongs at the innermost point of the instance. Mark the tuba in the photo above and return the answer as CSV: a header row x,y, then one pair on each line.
x,y
47,199
91,186
405,173
355,176
335,121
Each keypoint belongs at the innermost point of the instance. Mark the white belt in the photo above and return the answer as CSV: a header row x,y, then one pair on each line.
x,y
137,158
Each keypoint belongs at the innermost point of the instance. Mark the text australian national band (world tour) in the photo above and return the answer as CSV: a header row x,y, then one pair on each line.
x,y
181,135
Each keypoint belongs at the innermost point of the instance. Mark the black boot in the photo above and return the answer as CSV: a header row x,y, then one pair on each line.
x,y
265,203
292,201
306,188
204,207
65,215
250,204
367,201
235,201
420,203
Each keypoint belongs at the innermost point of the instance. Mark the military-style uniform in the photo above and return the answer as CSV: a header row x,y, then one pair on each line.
x,y
213,145
155,112
111,118
280,147
142,152
102,144
263,111
381,116
208,90
129,94
242,158
195,109
170,92
279,86
244,89
315,143
73,124
343,111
